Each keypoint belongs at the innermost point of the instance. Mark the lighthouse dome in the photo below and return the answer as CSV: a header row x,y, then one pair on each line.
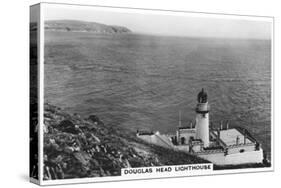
x,y
202,96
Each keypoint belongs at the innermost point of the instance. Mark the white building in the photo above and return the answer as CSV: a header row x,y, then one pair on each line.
x,y
222,146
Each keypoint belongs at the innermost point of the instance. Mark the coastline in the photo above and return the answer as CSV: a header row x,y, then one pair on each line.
x,y
76,147
96,149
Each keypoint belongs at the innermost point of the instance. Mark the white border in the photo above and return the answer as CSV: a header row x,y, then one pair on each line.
x,y
123,178
159,11
147,11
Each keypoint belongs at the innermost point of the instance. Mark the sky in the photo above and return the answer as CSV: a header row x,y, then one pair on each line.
x,y
166,22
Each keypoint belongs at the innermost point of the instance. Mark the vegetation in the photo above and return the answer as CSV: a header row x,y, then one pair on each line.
x,y
75,148
82,26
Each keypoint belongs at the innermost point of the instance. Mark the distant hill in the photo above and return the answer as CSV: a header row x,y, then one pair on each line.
x,y
82,26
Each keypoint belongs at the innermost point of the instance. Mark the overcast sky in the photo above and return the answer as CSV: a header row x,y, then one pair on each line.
x,y
165,23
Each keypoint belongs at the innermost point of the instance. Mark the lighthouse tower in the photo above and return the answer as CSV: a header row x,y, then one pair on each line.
x,y
202,118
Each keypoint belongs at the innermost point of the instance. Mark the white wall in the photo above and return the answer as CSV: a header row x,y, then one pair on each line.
x,y
157,139
186,134
202,128
245,147
237,158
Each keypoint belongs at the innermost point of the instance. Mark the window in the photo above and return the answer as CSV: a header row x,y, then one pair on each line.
x,y
182,140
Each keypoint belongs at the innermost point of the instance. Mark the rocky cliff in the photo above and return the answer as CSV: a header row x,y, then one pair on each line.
x,y
76,147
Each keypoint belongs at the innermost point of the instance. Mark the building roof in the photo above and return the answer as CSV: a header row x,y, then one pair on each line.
x,y
187,127
145,133
229,137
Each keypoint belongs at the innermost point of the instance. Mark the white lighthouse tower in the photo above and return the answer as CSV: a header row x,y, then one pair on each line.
x,y
202,118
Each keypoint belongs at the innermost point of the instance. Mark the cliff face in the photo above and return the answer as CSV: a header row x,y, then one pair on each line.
x,y
75,148
81,26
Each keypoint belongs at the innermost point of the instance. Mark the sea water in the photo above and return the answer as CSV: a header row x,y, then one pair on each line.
x,y
142,82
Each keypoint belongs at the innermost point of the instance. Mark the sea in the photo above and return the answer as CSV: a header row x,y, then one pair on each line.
x,y
143,82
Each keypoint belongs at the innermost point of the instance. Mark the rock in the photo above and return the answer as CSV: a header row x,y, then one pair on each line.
x,y
77,148
94,119
68,126
83,157
69,149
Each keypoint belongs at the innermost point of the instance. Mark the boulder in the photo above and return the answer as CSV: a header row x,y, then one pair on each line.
x,y
68,126
94,118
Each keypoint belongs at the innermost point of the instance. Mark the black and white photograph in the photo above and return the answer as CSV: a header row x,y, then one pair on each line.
x,y
33,98
138,93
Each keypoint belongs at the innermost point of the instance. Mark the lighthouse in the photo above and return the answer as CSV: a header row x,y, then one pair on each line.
x,y
202,118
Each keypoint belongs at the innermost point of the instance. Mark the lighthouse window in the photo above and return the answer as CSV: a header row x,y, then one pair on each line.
x,y
241,150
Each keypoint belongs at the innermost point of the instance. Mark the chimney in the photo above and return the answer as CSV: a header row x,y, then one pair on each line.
x,y
191,126
179,118
227,124
245,136
237,140
221,125
218,136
